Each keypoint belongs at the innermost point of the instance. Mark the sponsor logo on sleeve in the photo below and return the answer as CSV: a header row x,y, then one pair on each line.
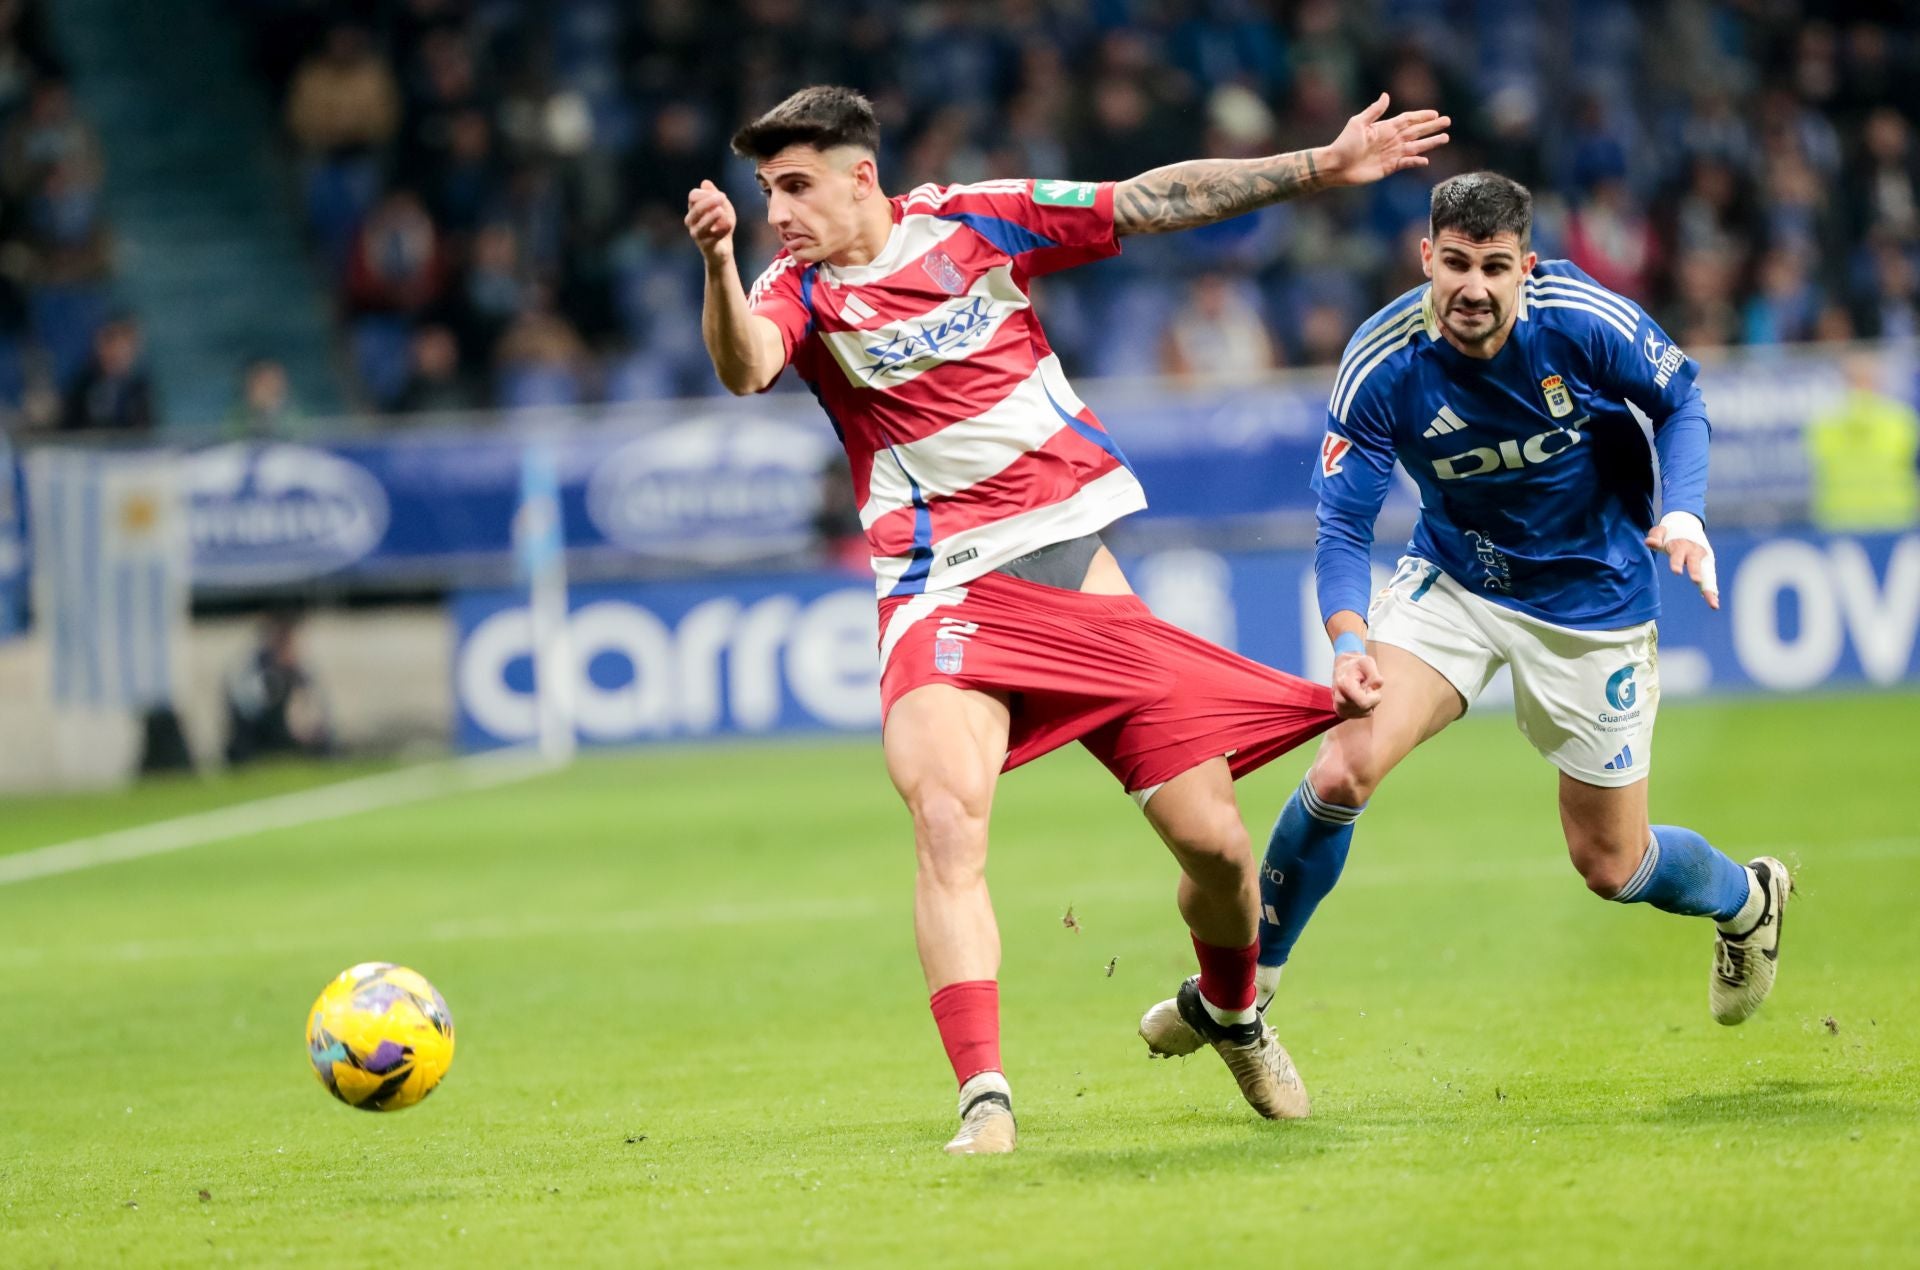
x,y
1665,358
1332,450
1064,193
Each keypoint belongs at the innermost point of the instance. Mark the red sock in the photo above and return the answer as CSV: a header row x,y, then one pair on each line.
x,y
1226,974
968,1016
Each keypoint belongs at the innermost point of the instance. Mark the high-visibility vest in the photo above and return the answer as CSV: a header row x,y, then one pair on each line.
x,y
1863,459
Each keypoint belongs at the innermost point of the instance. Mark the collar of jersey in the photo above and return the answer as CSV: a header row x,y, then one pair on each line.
x,y
881,265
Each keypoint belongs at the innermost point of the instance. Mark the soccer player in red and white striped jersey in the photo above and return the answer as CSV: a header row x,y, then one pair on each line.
x,y
1007,628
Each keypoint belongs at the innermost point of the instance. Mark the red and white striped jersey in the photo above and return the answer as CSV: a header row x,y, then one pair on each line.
x,y
967,446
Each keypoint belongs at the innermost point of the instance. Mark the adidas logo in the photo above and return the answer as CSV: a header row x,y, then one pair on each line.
x,y
1444,422
1621,761
856,310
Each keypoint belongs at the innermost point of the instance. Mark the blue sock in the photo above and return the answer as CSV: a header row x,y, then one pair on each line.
x,y
1681,873
1303,861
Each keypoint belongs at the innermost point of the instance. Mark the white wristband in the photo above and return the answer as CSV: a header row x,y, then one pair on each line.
x,y
1686,527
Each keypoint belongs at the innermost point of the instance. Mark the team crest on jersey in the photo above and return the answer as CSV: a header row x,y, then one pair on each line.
x,y
947,655
1332,450
1559,399
945,274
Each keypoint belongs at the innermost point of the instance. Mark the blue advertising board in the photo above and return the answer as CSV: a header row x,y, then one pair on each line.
x,y
795,653
724,482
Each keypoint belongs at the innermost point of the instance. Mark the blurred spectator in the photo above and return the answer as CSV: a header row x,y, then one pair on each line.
x,y
112,393
48,134
541,359
66,227
1217,335
465,182
398,264
344,98
1886,182
1787,307
1609,235
1889,305
1863,456
274,708
265,409
434,379
490,296
1745,168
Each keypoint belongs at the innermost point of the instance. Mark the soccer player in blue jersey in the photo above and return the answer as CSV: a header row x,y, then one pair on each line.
x,y
1503,387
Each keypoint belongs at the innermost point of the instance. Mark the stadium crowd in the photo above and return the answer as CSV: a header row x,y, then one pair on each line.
x,y
68,358
493,188
496,185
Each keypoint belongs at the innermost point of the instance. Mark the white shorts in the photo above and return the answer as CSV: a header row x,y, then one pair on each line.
x,y
1585,699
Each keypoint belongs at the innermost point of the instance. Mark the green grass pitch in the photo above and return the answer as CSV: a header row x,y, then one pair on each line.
x,y
692,1030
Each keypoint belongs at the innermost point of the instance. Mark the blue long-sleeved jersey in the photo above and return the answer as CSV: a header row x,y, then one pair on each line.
x,y
1536,483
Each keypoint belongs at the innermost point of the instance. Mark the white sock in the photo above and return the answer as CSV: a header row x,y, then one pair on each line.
x,y
1266,981
984,1083
1228,1018
1744,920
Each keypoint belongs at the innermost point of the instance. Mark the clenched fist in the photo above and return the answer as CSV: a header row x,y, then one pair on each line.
x,y
711,221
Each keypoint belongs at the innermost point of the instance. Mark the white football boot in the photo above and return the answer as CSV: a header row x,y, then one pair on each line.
x,y
986,1117
1744,963
1260,1065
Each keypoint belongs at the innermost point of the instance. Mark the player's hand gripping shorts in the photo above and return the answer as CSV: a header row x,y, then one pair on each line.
x,y
1148,699
1585,699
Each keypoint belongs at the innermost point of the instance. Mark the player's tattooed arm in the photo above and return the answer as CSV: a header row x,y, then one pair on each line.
x,y
1200,192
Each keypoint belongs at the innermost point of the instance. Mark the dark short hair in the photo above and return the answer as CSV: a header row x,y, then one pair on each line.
x,y
823,117
1482,205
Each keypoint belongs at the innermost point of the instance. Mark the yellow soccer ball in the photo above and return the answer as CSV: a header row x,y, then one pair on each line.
x,y
380,1037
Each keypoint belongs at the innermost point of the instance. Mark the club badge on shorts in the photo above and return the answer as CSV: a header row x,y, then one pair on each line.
x,y
1559,399
947,655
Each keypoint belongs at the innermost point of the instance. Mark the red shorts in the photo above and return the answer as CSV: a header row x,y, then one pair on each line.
x,y
1148,699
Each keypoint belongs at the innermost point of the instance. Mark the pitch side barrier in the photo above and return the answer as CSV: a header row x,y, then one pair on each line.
x,y
718,483
795,653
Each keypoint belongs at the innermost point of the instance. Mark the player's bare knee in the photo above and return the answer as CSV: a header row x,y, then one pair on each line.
x,y
1343,780
1605,865
1214,848
950,832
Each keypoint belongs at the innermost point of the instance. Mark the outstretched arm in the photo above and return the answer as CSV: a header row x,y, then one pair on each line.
x,y
1183,195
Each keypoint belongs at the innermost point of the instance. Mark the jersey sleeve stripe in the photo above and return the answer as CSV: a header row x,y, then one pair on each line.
x,y
1403,336
1608,316
936,196
1573,288
1386,333
765,281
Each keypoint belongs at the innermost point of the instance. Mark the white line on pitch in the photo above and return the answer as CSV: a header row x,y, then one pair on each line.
x,y
281,811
